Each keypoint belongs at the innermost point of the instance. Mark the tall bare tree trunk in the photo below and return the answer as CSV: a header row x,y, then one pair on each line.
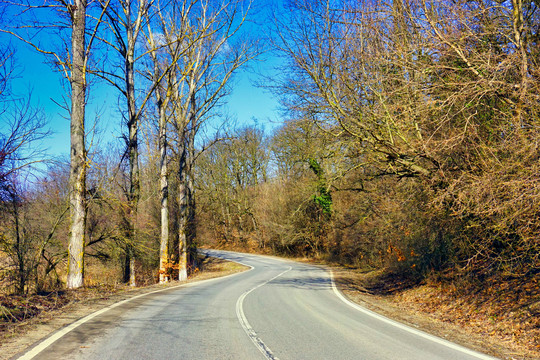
x,y
77,176
126,28
182,216
185,185
133,146
164,191
163,96
190,188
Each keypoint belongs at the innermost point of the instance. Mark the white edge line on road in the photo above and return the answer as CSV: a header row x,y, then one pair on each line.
x,y
401,326
60,333
245,323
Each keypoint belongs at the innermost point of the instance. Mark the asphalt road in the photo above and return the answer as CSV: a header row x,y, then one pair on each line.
x,y
277,310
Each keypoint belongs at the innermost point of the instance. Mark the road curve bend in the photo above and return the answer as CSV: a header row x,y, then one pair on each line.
x,y
278,310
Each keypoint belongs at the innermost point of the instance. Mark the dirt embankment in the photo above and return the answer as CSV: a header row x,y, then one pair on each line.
x,y
26,320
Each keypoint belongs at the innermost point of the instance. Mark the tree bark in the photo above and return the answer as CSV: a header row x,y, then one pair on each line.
x,y
77,176
133,129
182,216
190,191
164,191
186,185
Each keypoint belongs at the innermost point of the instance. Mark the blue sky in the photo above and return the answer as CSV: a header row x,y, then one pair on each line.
x,y
246,103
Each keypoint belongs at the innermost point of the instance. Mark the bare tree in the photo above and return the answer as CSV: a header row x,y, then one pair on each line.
x,y
163,74
207,67
126,21
77,177
24,127
162,101
74,66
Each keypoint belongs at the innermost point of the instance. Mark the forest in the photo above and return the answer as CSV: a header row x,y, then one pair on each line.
x,y
408,141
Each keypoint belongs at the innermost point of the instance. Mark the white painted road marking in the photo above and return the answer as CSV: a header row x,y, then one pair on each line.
x,y
247,327
267,353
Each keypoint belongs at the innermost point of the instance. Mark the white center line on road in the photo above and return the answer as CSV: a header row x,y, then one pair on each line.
x,y
247,327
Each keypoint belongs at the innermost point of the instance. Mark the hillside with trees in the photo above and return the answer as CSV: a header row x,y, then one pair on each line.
x,y
410,146
410,141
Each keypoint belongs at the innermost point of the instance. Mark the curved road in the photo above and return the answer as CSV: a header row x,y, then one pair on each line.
x,y
277,310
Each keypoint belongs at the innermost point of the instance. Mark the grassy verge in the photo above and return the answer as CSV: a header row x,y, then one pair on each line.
x,y
26,320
